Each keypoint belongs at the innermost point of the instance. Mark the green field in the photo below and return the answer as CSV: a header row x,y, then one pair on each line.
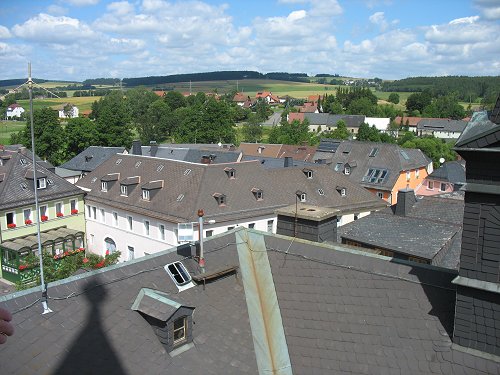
x,y
83,103
9,127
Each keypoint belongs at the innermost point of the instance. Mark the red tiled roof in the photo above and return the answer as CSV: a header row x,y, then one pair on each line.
x,y
295,116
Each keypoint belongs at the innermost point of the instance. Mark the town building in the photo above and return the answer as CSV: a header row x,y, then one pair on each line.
x,y
14,110
67,110
449,177
281,151
441,128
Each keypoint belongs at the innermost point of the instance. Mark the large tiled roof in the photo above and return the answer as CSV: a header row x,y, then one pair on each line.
x,y
268,162
446,125
328,119
91,158
452,171
388,156
190,186
16,188
269,150
192,155
341,312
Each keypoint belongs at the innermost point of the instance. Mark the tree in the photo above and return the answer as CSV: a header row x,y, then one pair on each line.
x,y
340,132
394,98
138,102
49,136
418,101
174,100
445,107
262,110
252,130
294,133
434,148
68,110
362,106
156,124
81,133
367,133
113,121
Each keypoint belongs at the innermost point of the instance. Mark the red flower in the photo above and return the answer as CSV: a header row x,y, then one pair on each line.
x,y
107,252
100,264
56,256
22,267
28,222
81,249
11,226
74,211
66,253
44,218
59,214
85,260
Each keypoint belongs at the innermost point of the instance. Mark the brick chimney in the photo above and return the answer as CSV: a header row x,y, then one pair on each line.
x,y
136,148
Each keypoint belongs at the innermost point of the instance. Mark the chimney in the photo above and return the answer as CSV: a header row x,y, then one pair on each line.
x,y
406,200
205,159
154,148
288,161
136,148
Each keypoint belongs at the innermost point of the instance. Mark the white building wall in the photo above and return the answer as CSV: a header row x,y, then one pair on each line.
x,y
446,134
381,123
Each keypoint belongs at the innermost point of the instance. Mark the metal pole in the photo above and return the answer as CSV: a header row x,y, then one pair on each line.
x,y
295,222
46,309
200,229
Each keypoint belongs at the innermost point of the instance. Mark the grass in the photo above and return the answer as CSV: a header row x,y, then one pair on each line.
x,y
9,127
83,103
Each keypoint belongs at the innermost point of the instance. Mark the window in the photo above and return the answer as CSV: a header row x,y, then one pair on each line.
x,y
137,164
302,196
146,227
417,173
130,222
103,215
258,194
27,215
73,204
145,194
308,173
43,213
22,161
442,187
251,225
161,229
342,192
104,186
209,233
115,219
356,216
130,252
338,166
178,273
347,171
41,183
221,199
270,225
180,330
386,253
430,185
380,194
375,175
89,212
404,155
408,176
321,192
110,245
94,213
231,172
230,228
59,209
373,152
124,190
11,218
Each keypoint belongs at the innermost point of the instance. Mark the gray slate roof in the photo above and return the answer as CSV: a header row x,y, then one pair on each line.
x,y
480,126
189,186
389,156
451,171
432,226
328,119
91,158
16,190
268,162
445,125
341,311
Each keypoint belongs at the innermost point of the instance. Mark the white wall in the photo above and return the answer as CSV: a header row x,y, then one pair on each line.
x,y
381,123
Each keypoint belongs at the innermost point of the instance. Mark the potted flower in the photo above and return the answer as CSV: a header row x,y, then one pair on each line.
x,y
44,218
59,214
28,222
11,226
22,267
74,211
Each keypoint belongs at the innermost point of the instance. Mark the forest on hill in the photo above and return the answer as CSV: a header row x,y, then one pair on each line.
x,y
467,89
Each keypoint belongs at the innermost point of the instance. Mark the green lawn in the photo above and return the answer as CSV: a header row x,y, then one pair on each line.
x,y
83,103
9,127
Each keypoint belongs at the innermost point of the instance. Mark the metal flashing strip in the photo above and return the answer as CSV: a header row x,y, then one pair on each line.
x,y
271,350
477,284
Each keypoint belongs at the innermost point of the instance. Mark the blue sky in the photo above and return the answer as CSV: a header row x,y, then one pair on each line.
x,y
389,39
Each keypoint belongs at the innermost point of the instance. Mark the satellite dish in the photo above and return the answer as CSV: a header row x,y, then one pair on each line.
x,y
441,160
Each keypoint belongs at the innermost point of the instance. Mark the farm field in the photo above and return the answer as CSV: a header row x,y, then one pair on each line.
x,y
83,103
9,127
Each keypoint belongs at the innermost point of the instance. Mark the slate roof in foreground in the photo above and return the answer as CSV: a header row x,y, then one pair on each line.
x,y
341,311
90,158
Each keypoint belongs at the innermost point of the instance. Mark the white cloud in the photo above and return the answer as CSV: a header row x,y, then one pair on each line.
x,y
45,28
461,31
81,3
4,32
121,8
56,10
325,8
490,9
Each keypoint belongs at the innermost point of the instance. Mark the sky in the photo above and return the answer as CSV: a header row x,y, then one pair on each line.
x,y
75,40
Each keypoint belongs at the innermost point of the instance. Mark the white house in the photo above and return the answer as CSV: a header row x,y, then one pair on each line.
x,y
14,110
135,203
380,123
64,113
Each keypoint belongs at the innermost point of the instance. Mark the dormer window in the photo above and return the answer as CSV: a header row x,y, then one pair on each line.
x,y
220,198
347,170
145,194
258,194
341,190
231,172
41,183
301,196
308,173
124,190
104,186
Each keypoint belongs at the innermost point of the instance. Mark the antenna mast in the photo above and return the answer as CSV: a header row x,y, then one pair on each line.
x,y
30,83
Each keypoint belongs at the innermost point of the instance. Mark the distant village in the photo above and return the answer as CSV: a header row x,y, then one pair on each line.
x,y
317,229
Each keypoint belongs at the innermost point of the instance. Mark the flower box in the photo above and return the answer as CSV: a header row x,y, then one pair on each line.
x,y
74,212
44,218
28,222
11,226
59,214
